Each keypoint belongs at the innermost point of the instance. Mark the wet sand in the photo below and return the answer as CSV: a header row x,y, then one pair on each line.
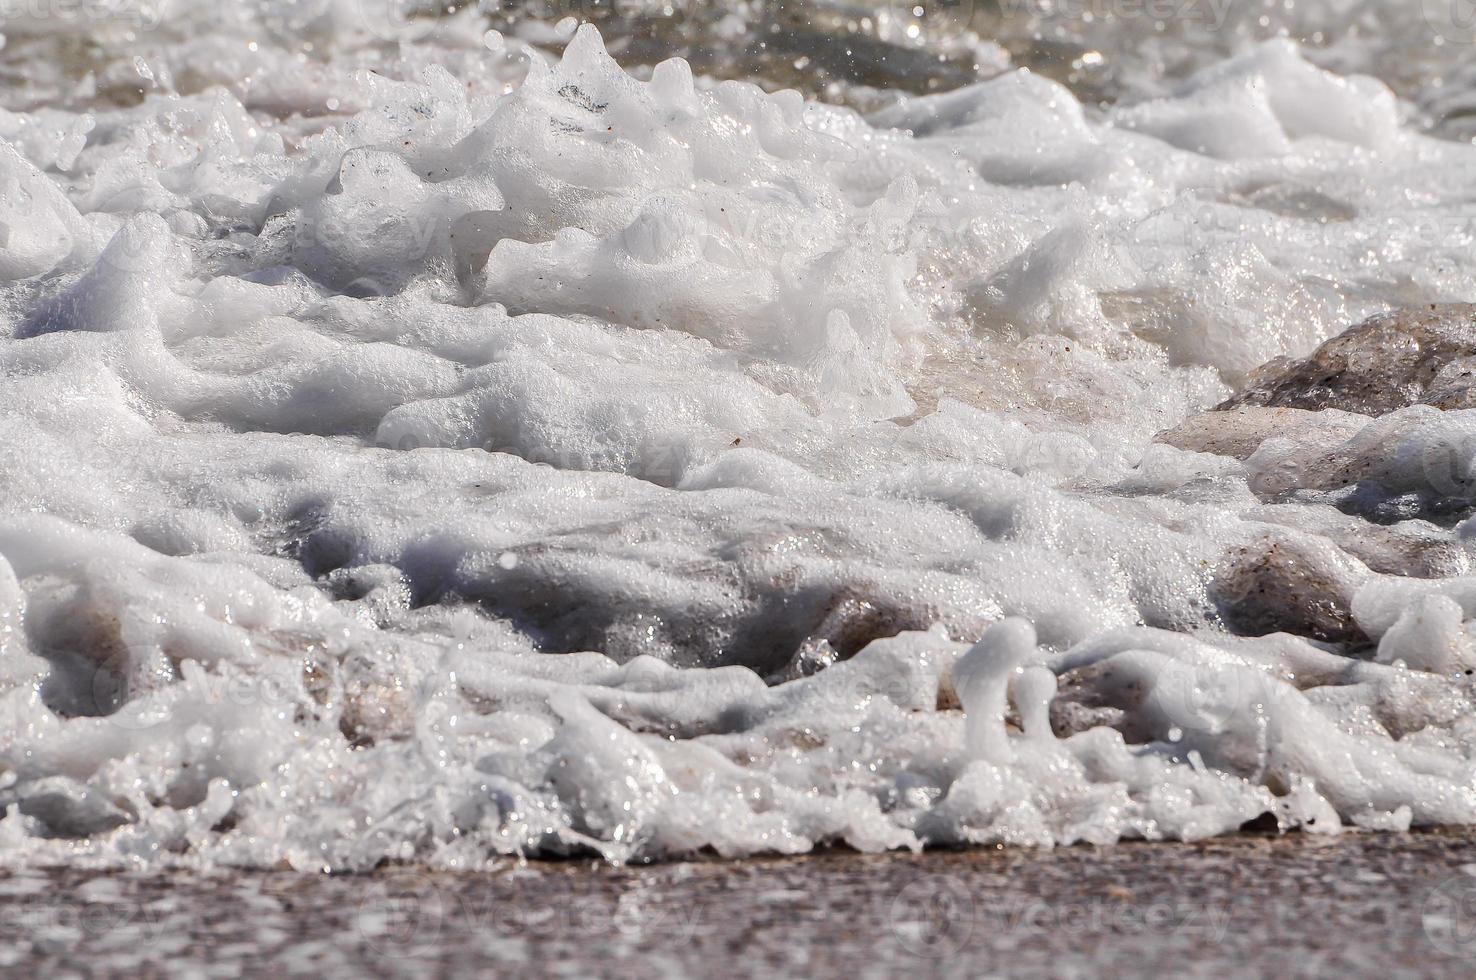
x,y
1359,905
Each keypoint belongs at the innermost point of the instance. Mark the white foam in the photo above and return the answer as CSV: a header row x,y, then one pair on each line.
x,y
431,463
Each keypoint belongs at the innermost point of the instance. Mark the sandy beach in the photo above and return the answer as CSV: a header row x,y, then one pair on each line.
x,y
1357,905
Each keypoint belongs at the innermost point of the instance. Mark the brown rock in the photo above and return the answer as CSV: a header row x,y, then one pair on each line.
x,y
1290,584
1414,548
1239,432
1425,355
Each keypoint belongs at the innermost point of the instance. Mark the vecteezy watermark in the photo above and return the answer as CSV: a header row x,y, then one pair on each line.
x,y
1451,21
56,921
405,913
1162,240
916,19
922,19
596,11
401,913
141,245
114,694
1200,698
1448,916
402,20
933,916
937,916
1446,458
658,460
140,15
1212,14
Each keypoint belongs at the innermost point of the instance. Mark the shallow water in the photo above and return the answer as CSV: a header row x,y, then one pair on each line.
x,y
441,436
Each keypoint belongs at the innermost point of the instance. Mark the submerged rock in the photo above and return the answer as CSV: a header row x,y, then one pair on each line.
x,y
1302,586
1371,423
1238,432
1407,357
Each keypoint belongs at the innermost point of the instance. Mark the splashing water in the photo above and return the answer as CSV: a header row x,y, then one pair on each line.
x,y
422,443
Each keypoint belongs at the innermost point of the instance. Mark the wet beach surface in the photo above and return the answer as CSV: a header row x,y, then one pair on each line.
x,y
1357,905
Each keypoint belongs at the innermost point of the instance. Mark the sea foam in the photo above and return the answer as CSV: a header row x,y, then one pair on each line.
x,y
422,449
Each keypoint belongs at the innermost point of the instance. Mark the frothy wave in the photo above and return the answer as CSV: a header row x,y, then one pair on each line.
x,y
418,447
